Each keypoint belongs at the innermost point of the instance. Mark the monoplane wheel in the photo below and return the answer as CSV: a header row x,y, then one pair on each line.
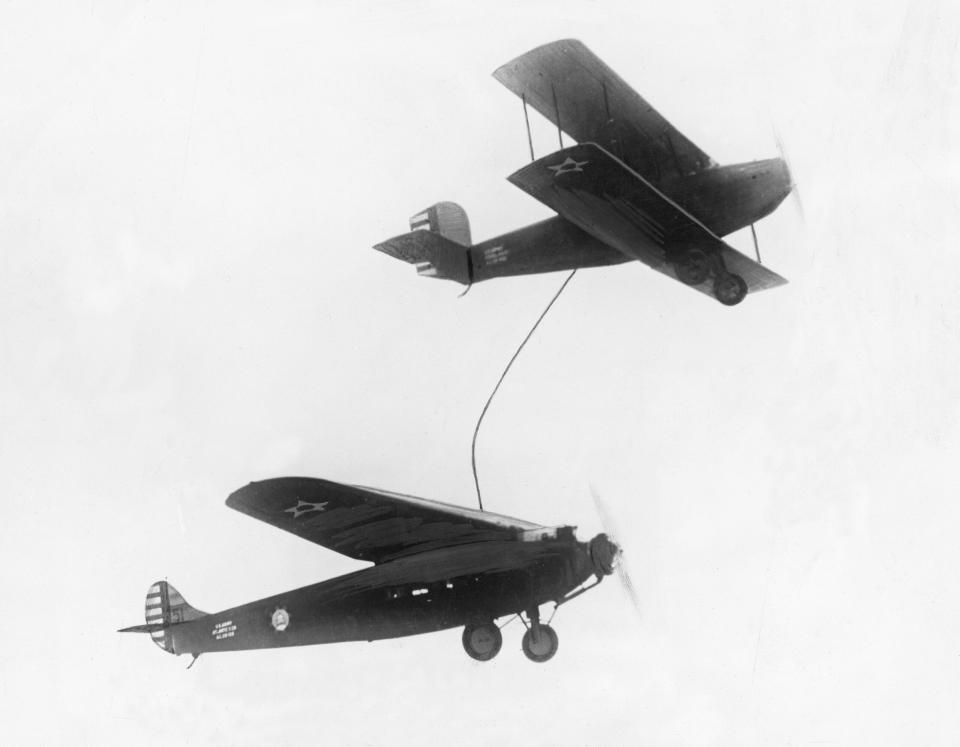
x,y
544,647
482,641
692,268
730,289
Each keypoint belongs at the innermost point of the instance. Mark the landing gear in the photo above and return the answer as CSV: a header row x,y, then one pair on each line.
x,y
482,641
541,646
730,289
692,267
540,642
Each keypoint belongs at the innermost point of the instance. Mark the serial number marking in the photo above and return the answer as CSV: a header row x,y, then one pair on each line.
x,y
225,629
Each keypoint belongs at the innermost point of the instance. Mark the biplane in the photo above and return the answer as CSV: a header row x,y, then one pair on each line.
x,y
633,187
435,566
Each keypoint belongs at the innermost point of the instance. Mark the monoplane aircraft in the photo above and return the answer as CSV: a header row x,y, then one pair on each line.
x,y
435,566
633,188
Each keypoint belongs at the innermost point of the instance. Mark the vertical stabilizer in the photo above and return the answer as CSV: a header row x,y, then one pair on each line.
x,y
166,606
445,218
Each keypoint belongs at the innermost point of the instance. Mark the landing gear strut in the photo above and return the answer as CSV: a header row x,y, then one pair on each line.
x,y
482,641
540,642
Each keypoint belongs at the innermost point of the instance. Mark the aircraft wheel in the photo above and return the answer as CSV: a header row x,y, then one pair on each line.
x,y
482,641
544,647
730,289
693,267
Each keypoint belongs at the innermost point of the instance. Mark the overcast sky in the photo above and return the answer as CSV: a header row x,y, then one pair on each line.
x,y
188,301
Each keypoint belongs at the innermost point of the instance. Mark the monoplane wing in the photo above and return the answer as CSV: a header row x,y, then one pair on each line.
x,y
369,524
580,94
603,196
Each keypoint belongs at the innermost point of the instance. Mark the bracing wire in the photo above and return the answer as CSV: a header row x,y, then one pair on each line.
x,y
476,430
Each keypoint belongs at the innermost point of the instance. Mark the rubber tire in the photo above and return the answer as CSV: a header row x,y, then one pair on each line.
x,y
730,289
488,644
545,648
693,267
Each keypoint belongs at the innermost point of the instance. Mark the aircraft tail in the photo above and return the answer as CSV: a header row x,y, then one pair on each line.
x,y
445,218
437,245
165,606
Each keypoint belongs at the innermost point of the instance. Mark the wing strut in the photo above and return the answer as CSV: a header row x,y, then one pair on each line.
x,y
756,246
556,108
526,118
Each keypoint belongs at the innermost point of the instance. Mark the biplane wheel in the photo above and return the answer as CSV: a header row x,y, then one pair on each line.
x,y
544,647
693,267
730,289
482,641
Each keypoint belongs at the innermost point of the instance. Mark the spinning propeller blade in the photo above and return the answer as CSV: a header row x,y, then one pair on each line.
x,y
618,560
794,188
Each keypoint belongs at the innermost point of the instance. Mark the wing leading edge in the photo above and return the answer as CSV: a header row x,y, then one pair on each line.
x,y
369,524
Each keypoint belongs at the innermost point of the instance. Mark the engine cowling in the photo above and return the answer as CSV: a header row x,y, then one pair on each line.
x,y
604,554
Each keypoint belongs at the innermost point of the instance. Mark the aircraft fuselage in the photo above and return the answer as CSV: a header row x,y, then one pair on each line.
x,y
728,198
422,593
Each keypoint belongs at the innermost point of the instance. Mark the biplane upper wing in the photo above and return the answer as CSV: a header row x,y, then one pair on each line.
x,y
601,195
580,94
365,523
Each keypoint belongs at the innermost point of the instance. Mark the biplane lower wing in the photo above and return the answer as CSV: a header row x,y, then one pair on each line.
x,y
603,196
369,524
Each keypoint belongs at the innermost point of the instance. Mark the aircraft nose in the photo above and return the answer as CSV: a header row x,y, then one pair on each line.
x,y
775,181
785,178
605,554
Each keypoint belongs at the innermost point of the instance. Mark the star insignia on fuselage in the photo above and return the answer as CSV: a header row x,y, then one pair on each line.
x,y
568,166
305,507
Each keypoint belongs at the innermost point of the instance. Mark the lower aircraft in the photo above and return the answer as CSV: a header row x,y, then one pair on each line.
x,y
633,188
435,566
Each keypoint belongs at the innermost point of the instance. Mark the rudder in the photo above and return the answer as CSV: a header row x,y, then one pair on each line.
x,y
445,218
165,606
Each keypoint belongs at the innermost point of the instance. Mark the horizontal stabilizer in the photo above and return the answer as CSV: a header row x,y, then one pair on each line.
x,y
142,628
432,254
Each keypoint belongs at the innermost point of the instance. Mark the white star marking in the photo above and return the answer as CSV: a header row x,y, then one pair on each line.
x,y
567,166
304,507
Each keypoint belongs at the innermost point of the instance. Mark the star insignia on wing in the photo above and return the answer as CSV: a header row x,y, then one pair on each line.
x,y
305,507
567,167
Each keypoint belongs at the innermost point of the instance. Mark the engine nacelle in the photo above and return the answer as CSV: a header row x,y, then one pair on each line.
x,y
604,554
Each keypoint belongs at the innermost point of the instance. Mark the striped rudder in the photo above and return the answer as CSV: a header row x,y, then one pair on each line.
x,y
166,606
445,218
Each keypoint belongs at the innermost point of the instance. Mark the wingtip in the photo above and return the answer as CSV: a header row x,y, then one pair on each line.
x,y
235,499
501,70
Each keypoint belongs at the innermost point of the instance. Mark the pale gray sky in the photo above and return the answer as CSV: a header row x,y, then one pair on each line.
x,y
189,301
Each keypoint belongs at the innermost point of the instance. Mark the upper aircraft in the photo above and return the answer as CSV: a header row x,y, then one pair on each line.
x,y
633,188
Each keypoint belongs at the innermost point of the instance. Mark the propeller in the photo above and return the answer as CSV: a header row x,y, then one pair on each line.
x,y
606,554
793,185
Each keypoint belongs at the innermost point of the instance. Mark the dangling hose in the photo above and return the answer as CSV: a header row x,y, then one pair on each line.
x,y
476,430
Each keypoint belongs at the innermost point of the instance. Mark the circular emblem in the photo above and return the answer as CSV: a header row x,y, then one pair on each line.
x,y
280,619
